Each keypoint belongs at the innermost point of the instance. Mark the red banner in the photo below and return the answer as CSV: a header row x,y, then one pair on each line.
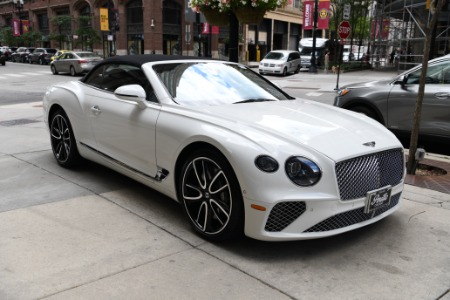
x,y
375,29
323,15
206,26
16,26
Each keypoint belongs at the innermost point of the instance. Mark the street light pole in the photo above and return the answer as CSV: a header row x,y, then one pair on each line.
x,y
18,4
313,67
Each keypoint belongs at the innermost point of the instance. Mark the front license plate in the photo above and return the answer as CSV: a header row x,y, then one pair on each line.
x,y
377,199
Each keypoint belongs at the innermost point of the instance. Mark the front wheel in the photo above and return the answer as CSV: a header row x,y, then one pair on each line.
x,y
211,196
63,140
365,111
53,68
284,71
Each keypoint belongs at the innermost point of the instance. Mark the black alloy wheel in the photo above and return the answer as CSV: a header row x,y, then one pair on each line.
x,y
63,140
211,197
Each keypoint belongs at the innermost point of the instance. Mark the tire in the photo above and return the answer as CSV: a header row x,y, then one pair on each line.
x,y
41,61
211,196
53,68
284,71
63,142
297,70
72,71
365,111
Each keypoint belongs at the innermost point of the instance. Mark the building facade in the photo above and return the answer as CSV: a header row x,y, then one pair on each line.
x,y
144,26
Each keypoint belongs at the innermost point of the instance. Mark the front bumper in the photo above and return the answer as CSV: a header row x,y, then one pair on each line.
x,y
314,218
270,70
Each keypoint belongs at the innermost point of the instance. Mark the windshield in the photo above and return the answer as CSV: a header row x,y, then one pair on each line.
x,y
215,83
308,52
274,55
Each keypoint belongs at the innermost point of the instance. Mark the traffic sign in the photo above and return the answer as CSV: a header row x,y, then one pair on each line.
x,y
344,29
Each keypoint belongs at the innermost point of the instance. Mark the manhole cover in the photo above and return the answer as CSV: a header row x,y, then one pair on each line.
x,y
17,122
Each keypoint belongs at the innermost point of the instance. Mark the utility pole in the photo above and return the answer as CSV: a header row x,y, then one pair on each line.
x,y
313,67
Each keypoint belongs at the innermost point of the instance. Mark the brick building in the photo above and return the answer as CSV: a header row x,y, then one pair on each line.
x,y
146,26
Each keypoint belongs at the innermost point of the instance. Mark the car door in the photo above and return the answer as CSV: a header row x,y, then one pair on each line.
x,y
64,62
124,132
435,116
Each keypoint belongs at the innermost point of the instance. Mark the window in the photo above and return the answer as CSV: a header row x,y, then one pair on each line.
x,y
437,73
110,77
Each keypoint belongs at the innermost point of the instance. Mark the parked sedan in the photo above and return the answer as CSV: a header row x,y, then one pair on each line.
x,y
392,102
238,153
21,54
280,62
74,62
41,55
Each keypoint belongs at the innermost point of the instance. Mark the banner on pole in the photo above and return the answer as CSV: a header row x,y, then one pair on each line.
x,y
323,17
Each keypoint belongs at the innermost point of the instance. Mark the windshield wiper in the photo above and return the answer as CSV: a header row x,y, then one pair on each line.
x,y
254,100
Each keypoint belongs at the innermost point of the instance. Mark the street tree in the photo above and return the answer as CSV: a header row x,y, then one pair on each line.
x,y
435,10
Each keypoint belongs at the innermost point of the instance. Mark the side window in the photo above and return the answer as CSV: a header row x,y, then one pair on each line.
x,y
116,75
436,73
95,78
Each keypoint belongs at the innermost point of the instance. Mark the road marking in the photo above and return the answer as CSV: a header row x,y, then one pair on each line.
x,y
15,75
29,73
312,94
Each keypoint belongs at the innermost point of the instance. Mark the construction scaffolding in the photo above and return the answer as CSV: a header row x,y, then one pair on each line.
x,y
398,33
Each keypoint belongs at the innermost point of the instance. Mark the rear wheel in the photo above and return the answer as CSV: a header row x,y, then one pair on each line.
x,y
41,61
63,140
72,71
210,195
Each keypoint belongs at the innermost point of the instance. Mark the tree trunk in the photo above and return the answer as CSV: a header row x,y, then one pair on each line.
x,y
412,163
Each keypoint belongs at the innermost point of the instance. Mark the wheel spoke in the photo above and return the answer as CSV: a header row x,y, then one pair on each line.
x,y
200,174
220,186
192,188
219,212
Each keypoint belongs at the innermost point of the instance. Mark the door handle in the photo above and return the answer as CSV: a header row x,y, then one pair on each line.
x,y
441,95
96,110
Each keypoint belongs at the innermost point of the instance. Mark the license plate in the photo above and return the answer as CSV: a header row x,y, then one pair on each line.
x,y
377,199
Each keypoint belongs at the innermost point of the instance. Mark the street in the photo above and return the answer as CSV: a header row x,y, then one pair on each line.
x,y
93,233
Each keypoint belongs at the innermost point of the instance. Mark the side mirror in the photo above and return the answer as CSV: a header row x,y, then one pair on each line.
x,y
132,92
402,80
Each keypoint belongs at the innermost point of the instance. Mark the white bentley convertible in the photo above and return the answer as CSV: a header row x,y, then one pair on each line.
x,y
239,154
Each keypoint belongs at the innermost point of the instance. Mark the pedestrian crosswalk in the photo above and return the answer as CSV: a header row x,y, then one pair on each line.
x,y
5,76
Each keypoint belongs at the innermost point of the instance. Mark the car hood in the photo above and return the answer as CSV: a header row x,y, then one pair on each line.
x,y
334,132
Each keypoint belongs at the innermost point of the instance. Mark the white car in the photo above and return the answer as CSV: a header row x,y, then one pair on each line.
x,y
238,153
280,62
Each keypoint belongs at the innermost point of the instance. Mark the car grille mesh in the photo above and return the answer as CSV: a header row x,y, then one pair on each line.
x,y
283,214
351,217
359,175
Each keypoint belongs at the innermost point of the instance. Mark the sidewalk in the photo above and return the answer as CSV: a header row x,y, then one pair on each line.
x,y
93,234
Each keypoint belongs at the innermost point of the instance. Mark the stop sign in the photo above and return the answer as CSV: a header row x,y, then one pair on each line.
x,y
344,29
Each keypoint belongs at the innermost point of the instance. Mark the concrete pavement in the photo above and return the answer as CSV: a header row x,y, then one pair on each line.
x,y
90,233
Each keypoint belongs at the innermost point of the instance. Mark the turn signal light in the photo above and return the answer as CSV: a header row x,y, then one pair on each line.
x,y
258,207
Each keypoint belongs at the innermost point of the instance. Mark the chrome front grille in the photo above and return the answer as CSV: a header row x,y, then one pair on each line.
x,y
351,217
283,214
359,175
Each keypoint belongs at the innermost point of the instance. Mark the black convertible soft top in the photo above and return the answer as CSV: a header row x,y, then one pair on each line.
x,y
139,60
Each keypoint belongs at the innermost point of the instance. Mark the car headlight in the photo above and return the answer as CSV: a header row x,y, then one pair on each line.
x,y
302,171
266,163
343,91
